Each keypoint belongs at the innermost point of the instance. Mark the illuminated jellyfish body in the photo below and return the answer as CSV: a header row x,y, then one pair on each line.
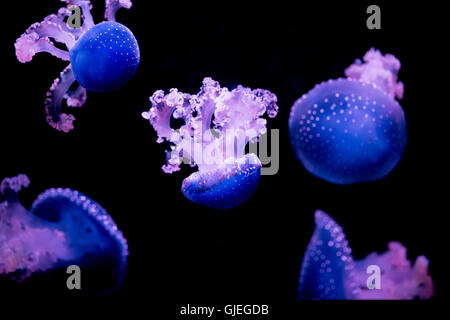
x,y
62,228
217,125
103,57
352,130
329,272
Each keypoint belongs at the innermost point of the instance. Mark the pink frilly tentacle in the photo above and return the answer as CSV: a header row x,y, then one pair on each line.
x,y
59,91
214,119
379,69
113,5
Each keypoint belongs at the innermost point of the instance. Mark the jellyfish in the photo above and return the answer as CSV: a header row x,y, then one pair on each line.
x,y
352,130
214,127
103,57
63,228
329,272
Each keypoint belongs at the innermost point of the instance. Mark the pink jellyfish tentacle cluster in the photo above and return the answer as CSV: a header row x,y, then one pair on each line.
x,y
41,37
18,243
380,70
217,125
401,279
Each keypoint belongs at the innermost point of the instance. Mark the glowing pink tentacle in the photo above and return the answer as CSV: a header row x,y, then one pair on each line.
x,y
379,69
76,98
86,7
237,115
30,44
113,5
15,183
58,91
399,279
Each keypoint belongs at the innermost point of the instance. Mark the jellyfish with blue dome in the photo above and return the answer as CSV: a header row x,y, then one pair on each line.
x,y
103,57
214,127
62,228
329,272
353,129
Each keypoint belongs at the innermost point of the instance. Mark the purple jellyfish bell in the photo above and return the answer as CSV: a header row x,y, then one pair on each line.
x,y
217,125
329,272
352,130
62,228
102,57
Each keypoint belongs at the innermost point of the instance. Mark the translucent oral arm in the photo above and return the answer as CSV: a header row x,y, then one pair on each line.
x,y
242,108
31,43
38,36
379,69
76,98
59,19
237,118
399,279
113,5
86,6
161,112
25,245
15,183
59,91
86,9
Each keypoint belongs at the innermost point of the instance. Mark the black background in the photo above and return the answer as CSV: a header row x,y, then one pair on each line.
x,y
184,253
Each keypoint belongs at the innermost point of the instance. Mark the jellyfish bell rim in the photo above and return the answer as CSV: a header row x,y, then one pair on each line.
x,y
334,81
306,163
194,188
325,227
96,213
